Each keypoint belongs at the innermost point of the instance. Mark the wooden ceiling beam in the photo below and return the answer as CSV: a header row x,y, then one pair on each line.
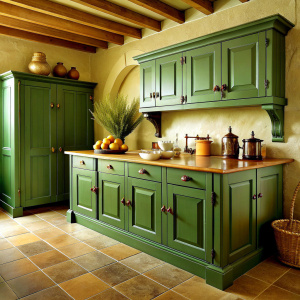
x,y
205,6
45,39
162,9
28,15
243,1
122,13
71,14
51,32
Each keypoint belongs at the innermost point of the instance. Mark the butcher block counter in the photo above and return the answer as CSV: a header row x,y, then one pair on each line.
x,y
208,215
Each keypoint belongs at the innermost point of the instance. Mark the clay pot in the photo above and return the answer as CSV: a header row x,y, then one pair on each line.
x,y
39,65
60,70
73,74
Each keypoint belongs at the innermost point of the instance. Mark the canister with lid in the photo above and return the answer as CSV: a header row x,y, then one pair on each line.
x,y
252,148
230,145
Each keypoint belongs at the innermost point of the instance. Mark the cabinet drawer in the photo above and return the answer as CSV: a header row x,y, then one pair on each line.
x,y
86,163
111,167
193,178
144,172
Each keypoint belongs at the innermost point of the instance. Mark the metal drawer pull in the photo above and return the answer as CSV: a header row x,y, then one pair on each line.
x,y
169,210
109,167
95,190
82,162
128,203
260,195
186,178
142,171
163,209
123,201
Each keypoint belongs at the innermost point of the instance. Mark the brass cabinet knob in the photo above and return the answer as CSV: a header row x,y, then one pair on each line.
x,y
169,210
53,150
109,167
51,104
186,178
142,171
58,105
82,162
128,203
60,149
163,209
123,201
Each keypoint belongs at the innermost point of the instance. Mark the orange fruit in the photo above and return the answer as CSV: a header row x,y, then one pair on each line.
x,y
106,141
98,142
96,146
104,146
124,147
114,146
111,138
118,141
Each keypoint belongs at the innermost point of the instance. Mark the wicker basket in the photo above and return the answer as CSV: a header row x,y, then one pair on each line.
x,y
287,235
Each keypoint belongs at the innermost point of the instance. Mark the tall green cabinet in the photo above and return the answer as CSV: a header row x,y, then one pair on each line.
x,y
41,117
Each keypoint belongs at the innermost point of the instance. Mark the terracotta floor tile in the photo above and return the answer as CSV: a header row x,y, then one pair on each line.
x,y
8,224
6,292
22,239
62,211
84,286
115,274
61,241
59,220
276,293
142,262
94,260
120,251
101,242
4,217
38,210
38,225
49,233
47,215
295,271
247,287
17,268
27,219
170,295
64,271
289,281
86,234
35,248
274,261
109,294
196,286
9,255
48,259
168,275
4,244
13,230
29,284
76,250
53,293
266,272
71,227
1,279
140,288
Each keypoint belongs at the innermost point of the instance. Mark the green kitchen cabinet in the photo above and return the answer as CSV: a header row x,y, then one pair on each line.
x,y
41,117
147,84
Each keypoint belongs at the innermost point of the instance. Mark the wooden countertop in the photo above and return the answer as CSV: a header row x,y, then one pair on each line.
x,y
212,164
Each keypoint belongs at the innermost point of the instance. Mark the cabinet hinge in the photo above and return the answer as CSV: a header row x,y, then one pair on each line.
x,y
183,60
213,253
266,83
213,198
267,42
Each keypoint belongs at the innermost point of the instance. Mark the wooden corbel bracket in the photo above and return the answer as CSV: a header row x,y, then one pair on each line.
x,y
276,114
155,119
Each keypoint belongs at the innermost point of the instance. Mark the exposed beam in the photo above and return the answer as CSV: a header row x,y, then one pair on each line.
x,y
45,39
51,32
57,23
71,14
122,13
243,1
205,6
162,9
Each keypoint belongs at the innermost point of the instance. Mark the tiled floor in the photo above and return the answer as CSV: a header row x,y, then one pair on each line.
x,y
44,257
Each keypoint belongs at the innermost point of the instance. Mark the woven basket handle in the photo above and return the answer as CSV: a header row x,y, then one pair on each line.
x,y
293,201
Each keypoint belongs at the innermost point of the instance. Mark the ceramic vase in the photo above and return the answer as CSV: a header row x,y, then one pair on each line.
x,y
73,74
39,65
60,70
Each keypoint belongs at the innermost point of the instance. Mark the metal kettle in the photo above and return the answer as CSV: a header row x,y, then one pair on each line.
x,y
230,145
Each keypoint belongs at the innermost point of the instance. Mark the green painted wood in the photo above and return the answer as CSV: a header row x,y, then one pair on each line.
x,y
15,212
209,215
84,200
164,204
203,73
86,163
219,278
196,179
151,172
168,73
144,210
111,192
147,84
111,167
186,220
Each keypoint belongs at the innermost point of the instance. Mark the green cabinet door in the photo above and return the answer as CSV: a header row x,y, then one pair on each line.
x,y
144,208
39,140
168,80
74,130
147,84
111,193
239,215
243,67
269,203
202,73
186,220
84,200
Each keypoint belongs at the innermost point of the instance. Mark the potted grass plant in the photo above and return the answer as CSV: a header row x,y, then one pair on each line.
x,y
118,116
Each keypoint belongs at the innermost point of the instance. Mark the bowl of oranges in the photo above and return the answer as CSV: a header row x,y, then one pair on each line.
x,y
110,145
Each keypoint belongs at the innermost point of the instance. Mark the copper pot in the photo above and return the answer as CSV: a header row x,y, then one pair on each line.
x,y
230,145
252,148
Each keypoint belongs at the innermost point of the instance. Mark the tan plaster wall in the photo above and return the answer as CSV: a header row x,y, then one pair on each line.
x,y
228,13
16,54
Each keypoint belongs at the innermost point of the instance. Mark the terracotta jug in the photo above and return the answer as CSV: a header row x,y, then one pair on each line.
x,y
60,70
73,74
39,65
